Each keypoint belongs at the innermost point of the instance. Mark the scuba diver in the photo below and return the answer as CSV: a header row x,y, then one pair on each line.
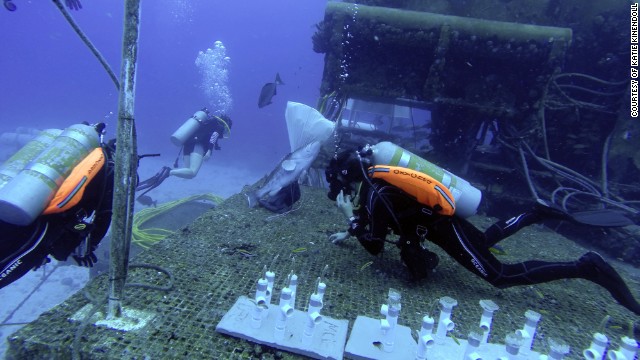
x,y
76,218
379,206
198,136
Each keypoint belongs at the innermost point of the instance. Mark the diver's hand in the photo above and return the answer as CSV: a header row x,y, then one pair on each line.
x,y
86,260
73,4
344,204
207,155
339,237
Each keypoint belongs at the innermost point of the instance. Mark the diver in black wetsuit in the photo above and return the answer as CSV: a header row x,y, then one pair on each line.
x,y
75,230
382,206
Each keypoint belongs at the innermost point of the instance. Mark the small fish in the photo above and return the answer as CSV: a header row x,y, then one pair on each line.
x,y
498,250
455,339
539,293
299,250
268,92
147,201
379,345
366,265
245,253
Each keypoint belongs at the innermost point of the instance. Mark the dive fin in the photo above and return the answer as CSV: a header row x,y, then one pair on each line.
x,y
154,181
598,217
602,218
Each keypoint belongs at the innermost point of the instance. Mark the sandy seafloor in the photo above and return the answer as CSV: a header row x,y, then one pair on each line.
x,y
571,309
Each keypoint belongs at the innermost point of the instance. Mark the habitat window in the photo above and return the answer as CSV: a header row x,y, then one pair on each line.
x,y
406,125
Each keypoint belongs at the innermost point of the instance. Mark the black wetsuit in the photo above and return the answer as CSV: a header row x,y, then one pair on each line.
x,y
23,248
204,136
468,245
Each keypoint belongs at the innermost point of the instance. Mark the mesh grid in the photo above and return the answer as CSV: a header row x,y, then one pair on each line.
x,y
220,256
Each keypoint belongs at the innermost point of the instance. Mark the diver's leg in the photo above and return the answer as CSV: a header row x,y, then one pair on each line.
x,y
590,266
460,240
505,228
186,159
197,158
465,244
193,164
541,211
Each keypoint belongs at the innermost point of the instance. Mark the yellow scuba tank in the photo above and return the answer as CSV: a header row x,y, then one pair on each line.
x,y
24,198
28,152
467,198
186,130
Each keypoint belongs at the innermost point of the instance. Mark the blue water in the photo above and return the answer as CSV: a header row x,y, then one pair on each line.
x,y
49,78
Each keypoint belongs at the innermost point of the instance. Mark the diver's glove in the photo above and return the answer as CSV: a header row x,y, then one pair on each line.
x,y
83,254
86,260
339,237
344,204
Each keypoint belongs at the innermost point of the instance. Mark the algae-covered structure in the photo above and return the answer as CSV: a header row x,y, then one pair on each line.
x,y
522,98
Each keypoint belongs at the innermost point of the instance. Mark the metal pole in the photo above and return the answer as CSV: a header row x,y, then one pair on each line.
x,y
126,162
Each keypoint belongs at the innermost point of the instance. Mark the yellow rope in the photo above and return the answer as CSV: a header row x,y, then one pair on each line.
x,y
147,237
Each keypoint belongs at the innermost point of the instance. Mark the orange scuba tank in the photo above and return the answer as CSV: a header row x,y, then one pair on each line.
x,y
425,189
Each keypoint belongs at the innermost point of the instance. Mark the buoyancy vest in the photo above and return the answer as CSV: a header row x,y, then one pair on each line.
x,y
425,189
72,189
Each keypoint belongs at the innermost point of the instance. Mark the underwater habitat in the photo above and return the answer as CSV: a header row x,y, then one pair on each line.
x,y
380,179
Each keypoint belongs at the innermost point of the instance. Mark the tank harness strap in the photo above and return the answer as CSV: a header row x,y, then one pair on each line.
x,y
422,187
72,188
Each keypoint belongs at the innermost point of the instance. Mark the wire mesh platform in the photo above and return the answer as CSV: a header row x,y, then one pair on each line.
x,y
219,256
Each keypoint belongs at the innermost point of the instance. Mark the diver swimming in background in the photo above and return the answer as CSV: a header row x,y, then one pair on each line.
x,y
198,136
380,206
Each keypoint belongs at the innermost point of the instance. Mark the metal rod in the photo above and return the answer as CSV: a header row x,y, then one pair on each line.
x,y
87,42
126,162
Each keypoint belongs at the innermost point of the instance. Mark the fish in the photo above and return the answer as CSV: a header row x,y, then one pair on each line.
x,y
498,250
286,172
268,92
366,265
147,201
455,339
